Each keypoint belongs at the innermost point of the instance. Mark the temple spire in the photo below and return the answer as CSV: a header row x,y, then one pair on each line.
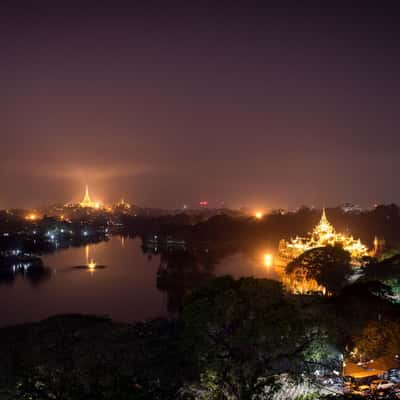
x,y
324,219
87,201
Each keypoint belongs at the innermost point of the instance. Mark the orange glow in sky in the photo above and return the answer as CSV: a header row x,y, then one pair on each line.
x,y
259,214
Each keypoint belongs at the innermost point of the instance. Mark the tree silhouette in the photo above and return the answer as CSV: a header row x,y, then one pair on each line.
x,y
329,266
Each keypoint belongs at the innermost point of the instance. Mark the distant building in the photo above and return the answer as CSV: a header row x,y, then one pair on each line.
x,y
87,201
324,234
122,206
349,208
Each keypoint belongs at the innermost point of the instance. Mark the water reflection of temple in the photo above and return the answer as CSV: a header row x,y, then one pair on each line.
x,y
297,283
302,285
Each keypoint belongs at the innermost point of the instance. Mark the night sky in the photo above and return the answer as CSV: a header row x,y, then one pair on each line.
x,y
168,105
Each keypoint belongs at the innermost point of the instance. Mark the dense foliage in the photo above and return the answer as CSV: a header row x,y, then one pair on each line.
x,y
329,266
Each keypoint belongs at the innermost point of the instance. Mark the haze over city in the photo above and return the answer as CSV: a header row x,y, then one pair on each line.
x,y
243,105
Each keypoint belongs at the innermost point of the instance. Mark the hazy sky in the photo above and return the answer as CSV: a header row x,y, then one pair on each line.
x,y
167,105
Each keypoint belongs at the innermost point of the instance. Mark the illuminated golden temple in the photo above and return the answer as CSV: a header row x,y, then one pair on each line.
x,y
324,234
87,201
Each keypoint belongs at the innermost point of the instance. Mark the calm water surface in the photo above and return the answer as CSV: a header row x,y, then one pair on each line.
x,y
125,289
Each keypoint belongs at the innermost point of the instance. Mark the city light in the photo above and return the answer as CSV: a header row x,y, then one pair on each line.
x,y
259,214
91,265
268,260
31,217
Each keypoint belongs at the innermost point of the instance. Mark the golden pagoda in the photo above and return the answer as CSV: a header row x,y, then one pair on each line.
x,y
87,201
323,234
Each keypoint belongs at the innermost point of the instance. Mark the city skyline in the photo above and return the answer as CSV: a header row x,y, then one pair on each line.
x,y
258,212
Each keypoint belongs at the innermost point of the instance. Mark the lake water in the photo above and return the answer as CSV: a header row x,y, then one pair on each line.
x,y
123,285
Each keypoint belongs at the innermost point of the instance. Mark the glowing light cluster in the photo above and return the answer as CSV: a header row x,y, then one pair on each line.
x,y
91,265
259,214
87,201
301,284
324,234
268,259
123,204
31,217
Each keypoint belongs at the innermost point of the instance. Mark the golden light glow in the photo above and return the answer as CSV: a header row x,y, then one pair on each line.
x,y
300,284
87,201
31,217
91,265
268,259
123,204
324,234
259,214
87,249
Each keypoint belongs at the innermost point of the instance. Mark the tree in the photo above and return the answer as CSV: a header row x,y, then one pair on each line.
x,y
329,266
378,339
244,334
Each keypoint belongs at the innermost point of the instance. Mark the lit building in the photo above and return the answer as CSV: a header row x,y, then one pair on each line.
x,y
324,234
33,216
122,205
349,208
87,201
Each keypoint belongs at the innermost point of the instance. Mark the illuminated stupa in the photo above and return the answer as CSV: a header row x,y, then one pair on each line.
x,y
87,201
324,234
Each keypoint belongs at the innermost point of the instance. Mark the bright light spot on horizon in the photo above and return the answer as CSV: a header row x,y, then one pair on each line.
x,y
259,214
268,260
31,217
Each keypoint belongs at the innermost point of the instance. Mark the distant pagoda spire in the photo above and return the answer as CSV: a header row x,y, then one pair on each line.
x,y
87,201
324,219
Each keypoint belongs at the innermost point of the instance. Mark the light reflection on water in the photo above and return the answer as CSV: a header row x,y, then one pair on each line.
x,y
125,290
117,279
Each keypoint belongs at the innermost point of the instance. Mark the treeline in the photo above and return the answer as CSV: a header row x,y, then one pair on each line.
x,y
383,221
